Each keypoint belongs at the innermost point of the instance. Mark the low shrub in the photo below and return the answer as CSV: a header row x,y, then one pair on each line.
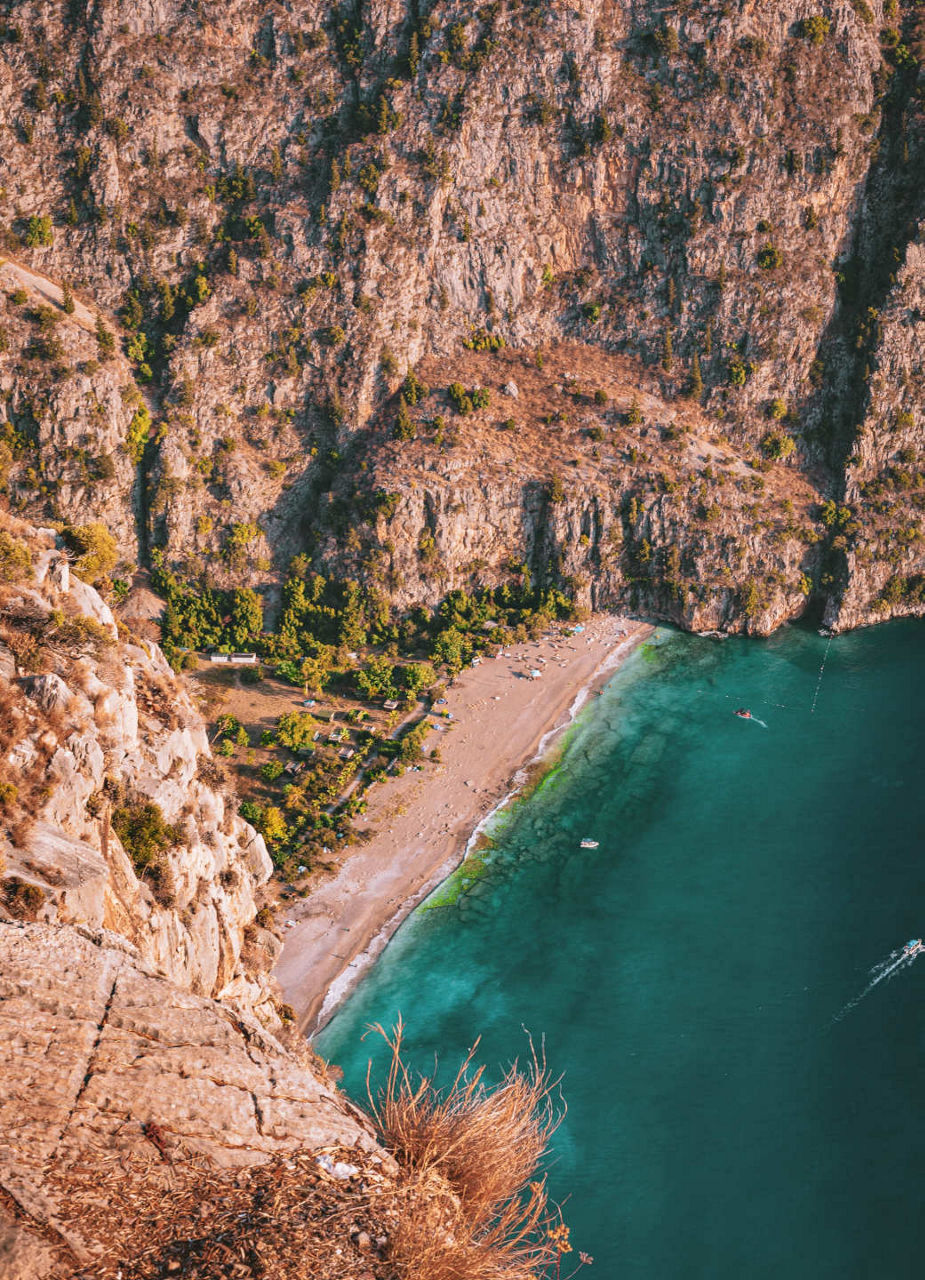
x,y
146,837
22,900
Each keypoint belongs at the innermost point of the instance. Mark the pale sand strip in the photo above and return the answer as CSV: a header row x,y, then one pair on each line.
x,y
424,821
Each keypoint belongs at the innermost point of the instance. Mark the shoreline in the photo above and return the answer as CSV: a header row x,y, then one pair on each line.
x,y
426,822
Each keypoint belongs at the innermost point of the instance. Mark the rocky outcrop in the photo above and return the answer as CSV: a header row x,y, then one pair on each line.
x,y
107,1066
104,738
632,501
134,1108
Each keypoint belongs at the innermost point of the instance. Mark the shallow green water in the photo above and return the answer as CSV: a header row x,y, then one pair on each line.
x,y
686,974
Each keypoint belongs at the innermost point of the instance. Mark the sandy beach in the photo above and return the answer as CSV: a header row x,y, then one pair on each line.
x,y
501,719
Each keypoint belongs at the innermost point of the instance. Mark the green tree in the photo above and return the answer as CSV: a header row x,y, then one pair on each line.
x,y
105,341
417,676
452,648
39,233
404,425
376,679
751,598
246,620
696,378
315,668
272,825
295,730
67,299
227,725
667,351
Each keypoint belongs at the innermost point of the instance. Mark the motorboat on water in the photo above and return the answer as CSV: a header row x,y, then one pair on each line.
x,y
914,947
587,843
743,713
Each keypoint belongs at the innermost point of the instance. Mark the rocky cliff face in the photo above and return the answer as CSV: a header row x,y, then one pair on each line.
x,y
634,501
290,205
100,738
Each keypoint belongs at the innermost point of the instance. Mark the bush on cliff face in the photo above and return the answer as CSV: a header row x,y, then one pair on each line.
x,y
777,446
139,429
146,837
95,549
39,234
15,561
815,28
769,257
22,900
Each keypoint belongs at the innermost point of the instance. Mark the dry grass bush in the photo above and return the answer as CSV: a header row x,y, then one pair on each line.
x,y
211,772
473,1207
158,697
22,900
154,1208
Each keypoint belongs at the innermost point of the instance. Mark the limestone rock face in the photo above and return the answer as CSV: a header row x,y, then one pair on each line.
x,y
111,730
102,1059
662,515
288,209
882,564
92,1035
67,414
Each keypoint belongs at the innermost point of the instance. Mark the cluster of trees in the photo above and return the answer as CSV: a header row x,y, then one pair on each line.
x,y
319,611
467,622
324,627
199,616
380,678
323,620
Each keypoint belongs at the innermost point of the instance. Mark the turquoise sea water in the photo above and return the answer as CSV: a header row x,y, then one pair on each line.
x,y
687,974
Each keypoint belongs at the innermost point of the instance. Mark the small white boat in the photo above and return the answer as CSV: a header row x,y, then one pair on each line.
x,y
589,844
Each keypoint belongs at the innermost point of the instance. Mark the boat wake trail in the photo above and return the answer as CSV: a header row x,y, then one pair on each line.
x,y
895,961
